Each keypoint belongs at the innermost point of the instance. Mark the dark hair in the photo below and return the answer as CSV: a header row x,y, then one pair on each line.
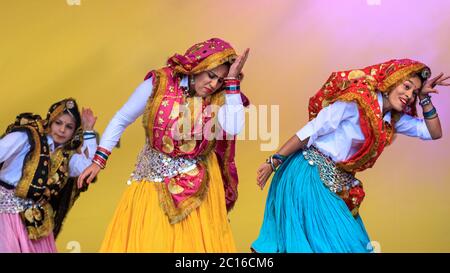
x,y
75,115
70,108
422,74
228,63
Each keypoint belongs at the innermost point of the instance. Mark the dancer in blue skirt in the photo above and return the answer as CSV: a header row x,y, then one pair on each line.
x,y
313,200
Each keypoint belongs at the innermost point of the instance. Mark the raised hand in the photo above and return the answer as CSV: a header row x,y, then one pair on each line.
x,y
236,67
429,86
88,119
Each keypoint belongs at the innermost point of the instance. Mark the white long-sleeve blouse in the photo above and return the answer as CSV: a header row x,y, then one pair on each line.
x,y
231,114
336,131
15,146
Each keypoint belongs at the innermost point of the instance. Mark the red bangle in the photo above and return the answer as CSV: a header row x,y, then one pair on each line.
x,y
232,82
103,150
100,164
232,92
99,161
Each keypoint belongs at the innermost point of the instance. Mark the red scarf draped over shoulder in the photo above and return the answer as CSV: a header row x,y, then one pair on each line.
x,y
175,125
361,86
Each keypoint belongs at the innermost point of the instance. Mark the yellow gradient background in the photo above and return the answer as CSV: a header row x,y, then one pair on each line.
x,y
99,52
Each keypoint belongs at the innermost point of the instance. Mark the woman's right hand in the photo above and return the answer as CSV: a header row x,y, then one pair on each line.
x,y
88,119
263,174
236,67
429,85
88,175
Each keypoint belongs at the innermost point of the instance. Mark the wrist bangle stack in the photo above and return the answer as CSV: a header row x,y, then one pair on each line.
x,y
271,159
232,85
282,158
89,135
101,156
430,114
425,101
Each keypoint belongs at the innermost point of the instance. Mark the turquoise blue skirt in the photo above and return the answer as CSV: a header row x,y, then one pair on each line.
x,y
303,215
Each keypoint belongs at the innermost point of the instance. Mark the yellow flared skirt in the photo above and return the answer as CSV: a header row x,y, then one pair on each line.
x,y
140,225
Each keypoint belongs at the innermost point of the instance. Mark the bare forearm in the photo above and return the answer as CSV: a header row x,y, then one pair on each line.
x,y
292,145
433,123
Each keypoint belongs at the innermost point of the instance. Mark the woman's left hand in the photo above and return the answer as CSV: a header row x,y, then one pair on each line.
x,y
88,175
263,174
88,119
236,67
429,85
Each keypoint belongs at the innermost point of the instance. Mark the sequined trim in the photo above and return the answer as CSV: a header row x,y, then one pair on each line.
x,y
375,121
335,178
212,61
10,203
155,166
400,75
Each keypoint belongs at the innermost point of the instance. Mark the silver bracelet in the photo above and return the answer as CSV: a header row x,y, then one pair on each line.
x,y
425,101
270,161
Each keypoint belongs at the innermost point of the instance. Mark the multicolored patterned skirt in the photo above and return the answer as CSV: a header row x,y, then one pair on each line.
x,y
305,211
13,234
140,225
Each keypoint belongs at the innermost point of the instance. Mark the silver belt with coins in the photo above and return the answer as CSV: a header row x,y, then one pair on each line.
x,y
155,166
10,203
334,177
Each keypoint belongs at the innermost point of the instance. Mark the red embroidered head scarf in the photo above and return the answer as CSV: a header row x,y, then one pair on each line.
x,y
163,113
202,57
361,86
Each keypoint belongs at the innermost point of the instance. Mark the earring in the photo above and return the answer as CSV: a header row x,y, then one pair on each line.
x,y
386,95
188,91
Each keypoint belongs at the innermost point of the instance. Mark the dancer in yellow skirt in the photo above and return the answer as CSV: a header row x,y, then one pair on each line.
x,y
185,179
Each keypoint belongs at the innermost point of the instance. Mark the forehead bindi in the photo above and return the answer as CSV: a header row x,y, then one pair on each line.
x,y
220,71
66,119
415,82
